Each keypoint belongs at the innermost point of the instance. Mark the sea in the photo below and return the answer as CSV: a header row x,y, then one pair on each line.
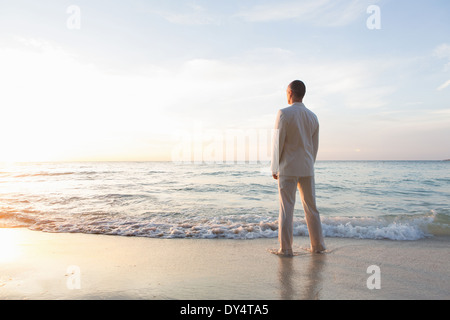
x,y
394,200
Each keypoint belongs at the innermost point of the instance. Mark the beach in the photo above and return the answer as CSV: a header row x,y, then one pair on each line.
x,y
72,266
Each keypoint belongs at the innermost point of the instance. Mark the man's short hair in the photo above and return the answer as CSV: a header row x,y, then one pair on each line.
x,y
298,88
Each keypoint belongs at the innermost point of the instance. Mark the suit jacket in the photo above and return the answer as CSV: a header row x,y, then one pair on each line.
x,y
295,141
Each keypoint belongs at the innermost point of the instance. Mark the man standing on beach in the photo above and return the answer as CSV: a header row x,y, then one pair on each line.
x,y
294,152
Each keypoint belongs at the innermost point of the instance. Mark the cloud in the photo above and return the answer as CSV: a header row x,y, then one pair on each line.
x,y
194,15
442,51
253,86
443,86
320,12
52,101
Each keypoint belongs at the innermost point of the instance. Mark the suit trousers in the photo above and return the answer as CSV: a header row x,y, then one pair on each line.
x,y
287,187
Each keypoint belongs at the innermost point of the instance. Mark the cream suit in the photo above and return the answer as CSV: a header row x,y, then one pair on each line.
x,y
294,151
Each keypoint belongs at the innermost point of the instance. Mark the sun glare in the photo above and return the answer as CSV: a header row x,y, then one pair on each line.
x,y
55,108
9,245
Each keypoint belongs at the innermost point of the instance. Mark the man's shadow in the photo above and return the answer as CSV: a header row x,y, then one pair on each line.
x,y
300,277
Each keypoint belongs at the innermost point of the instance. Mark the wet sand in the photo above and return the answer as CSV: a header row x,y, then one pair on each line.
x,y
37,265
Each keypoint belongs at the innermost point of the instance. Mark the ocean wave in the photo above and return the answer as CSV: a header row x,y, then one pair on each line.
x,y
43,174
80,174
364,228
249,226
367,200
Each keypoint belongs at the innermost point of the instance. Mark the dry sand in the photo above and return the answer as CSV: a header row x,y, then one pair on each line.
x,y
37,265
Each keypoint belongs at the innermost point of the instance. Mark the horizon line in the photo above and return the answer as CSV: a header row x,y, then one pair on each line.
x,y
225,162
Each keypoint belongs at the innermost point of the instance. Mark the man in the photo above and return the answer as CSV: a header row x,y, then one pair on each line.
x,y
294,152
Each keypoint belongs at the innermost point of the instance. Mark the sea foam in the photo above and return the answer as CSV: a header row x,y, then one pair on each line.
x,y
248,227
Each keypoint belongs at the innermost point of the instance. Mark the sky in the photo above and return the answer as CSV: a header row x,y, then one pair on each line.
x,y
143,80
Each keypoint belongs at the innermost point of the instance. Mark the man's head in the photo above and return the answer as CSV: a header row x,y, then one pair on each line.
x,y
296,91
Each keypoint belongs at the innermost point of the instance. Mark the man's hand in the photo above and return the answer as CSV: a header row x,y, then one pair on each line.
x,y
275,176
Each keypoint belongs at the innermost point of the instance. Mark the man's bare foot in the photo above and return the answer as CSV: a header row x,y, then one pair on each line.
x,y
311,250
284,253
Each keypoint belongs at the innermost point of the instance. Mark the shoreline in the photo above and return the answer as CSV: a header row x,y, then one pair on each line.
x,y
46,266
